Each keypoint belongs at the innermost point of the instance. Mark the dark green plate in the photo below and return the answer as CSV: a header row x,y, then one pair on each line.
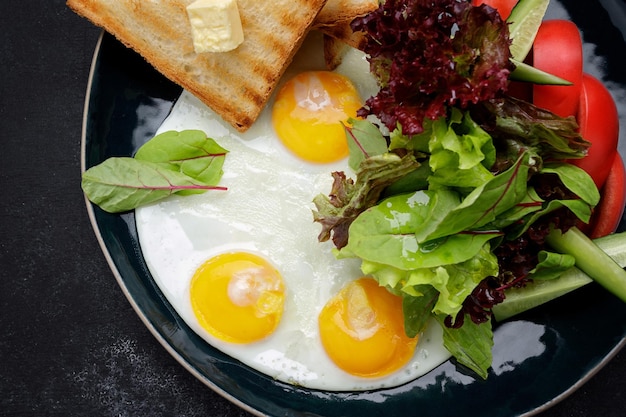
x,y
539,358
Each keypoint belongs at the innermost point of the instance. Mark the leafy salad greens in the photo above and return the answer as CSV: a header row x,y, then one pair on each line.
x,y
458,186
463,195
186,162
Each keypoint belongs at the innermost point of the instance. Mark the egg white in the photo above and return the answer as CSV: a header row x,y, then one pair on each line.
x,y
267,210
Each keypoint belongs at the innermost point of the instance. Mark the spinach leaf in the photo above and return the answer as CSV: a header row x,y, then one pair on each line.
x,y
413,181
484,203
580,209
364,140
385,234
122,184
183,163
575,179
512,217
188,151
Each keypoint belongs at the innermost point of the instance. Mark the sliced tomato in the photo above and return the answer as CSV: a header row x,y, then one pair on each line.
x,y
558,50
608,213
503,7
599,124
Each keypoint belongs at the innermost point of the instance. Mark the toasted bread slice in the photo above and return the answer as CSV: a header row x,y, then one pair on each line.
x,y
235,84
334,21
334,51
343,33
343,11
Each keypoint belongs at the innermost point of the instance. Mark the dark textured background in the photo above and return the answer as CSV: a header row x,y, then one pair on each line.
x,y
70,343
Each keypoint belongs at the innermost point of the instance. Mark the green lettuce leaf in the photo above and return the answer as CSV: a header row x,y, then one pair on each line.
x,y
417,308
461,152
455,282
385,234
470,344
418,142
551,265
483,204
348,198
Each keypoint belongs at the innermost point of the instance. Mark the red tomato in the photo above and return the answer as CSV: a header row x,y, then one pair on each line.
x,y
608,213
558,50
599,124
503,7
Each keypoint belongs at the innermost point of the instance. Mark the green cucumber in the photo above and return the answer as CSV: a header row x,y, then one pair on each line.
x,y
536,293
524,22
528,73
590,259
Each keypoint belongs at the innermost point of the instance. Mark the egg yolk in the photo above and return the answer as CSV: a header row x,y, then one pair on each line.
x,y
362,330
237,297
308,112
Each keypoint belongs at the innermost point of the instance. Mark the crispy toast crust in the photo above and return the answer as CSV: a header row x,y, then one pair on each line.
x,y
235,84
342,32
343,12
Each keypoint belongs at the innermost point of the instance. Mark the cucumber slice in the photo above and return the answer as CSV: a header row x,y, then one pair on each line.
x,y
528,73
590,259
536,293
524,22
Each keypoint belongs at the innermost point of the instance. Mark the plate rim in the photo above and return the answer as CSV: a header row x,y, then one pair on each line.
x,y
163,342
109,259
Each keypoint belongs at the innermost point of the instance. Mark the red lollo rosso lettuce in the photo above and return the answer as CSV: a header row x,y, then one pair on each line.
x,y
431,54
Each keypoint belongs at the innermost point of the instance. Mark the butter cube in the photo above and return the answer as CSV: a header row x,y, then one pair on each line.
x,y
215,25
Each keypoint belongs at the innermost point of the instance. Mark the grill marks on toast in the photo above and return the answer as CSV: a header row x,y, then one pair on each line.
x,y
235,84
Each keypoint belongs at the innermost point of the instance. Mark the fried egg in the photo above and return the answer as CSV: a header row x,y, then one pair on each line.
x,y
244,268
305,114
